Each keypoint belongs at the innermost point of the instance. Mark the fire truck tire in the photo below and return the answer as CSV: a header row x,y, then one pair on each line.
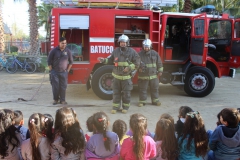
x,y
199,82
102,81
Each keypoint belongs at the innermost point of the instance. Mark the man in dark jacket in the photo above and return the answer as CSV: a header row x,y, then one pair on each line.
x,y
148,74
125,60
59,62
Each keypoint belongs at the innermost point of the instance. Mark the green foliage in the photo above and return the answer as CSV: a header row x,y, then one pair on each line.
x,y
44,11
231,7
13,49
43,65
170,9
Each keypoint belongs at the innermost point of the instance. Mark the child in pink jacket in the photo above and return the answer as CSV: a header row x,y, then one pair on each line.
x,y
139,146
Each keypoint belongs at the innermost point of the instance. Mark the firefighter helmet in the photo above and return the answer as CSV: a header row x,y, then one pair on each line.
x,y
147,43
123,38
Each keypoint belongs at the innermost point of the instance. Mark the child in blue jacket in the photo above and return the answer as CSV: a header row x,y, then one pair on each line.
x,y
225,140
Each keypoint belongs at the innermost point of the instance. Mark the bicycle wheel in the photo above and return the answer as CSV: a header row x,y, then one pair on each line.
x,y
11,67
30,67
1,66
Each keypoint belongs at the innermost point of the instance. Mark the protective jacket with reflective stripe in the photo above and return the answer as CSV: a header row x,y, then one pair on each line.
x,y
152,64
121,60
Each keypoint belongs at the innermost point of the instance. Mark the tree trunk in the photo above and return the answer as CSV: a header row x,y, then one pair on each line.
x,y
2,44
187,8
33,24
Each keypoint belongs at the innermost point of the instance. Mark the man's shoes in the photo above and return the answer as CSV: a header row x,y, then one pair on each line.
x,y
63,102
157,103
113,111
55,102
124,111
141,104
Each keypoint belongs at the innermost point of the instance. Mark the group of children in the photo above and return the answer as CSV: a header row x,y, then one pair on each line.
x,y
62,138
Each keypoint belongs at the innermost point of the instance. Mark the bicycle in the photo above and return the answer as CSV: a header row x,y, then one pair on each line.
x,y
3,63
12,66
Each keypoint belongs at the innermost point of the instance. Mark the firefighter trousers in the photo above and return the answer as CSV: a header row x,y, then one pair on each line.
x,y
143,85
121,93
59,85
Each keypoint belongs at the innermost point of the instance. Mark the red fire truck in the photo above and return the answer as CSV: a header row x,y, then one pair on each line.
x,y
194,47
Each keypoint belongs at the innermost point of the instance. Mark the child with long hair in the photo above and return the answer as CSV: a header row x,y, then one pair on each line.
x,y
183,110
103,144
193,143
225,139
120,127
10,140
37,147
69,142
167,116
166,142
139,146
49,127
89,124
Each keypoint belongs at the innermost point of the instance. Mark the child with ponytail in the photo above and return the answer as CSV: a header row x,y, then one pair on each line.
x,y
38,146
103,144
69,142
139,146
10,140
193,144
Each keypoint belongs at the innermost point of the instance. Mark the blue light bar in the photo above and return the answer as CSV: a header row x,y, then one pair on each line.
x,y
205,9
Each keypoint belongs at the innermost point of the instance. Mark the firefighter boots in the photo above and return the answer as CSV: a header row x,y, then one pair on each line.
x,y
158,103
124,111
141,104
113,111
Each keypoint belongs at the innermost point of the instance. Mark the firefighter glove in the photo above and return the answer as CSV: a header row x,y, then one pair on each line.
x,y
126,69
101,59
159,74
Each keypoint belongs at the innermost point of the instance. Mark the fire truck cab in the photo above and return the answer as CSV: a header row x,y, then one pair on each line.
x,y
194,47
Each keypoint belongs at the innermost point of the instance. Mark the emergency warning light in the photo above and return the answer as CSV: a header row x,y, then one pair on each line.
x,y
209,9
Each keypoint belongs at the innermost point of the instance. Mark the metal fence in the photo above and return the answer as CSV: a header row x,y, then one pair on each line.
x,y
23,46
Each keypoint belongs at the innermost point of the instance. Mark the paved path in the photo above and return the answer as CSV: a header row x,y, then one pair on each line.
x,y
20,85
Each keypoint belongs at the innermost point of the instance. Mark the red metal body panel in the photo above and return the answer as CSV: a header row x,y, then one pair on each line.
x,y
168,55
101,25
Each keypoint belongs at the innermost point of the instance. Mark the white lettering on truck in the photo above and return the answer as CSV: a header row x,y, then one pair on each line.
x,y
101,49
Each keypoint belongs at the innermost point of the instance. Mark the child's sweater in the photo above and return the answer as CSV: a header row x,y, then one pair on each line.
x,y
127,153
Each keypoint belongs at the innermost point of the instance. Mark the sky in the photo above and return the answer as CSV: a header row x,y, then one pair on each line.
x,y
18,12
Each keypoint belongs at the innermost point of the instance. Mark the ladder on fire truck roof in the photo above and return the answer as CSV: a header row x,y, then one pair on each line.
x,y
135,4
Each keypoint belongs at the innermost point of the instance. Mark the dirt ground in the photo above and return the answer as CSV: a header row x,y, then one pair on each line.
x,y
21,85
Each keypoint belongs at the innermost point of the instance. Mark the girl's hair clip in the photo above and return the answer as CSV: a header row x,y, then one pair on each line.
x,y
104,139
46,119
192,114
32,120
100,119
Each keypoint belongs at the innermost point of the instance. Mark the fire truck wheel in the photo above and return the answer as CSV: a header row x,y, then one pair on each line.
x,y
102,81
199,82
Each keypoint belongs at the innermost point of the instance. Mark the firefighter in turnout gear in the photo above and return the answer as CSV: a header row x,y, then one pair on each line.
x,y
126,60
149,73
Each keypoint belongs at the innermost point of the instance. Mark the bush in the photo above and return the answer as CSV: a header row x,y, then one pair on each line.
x,y
13,49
